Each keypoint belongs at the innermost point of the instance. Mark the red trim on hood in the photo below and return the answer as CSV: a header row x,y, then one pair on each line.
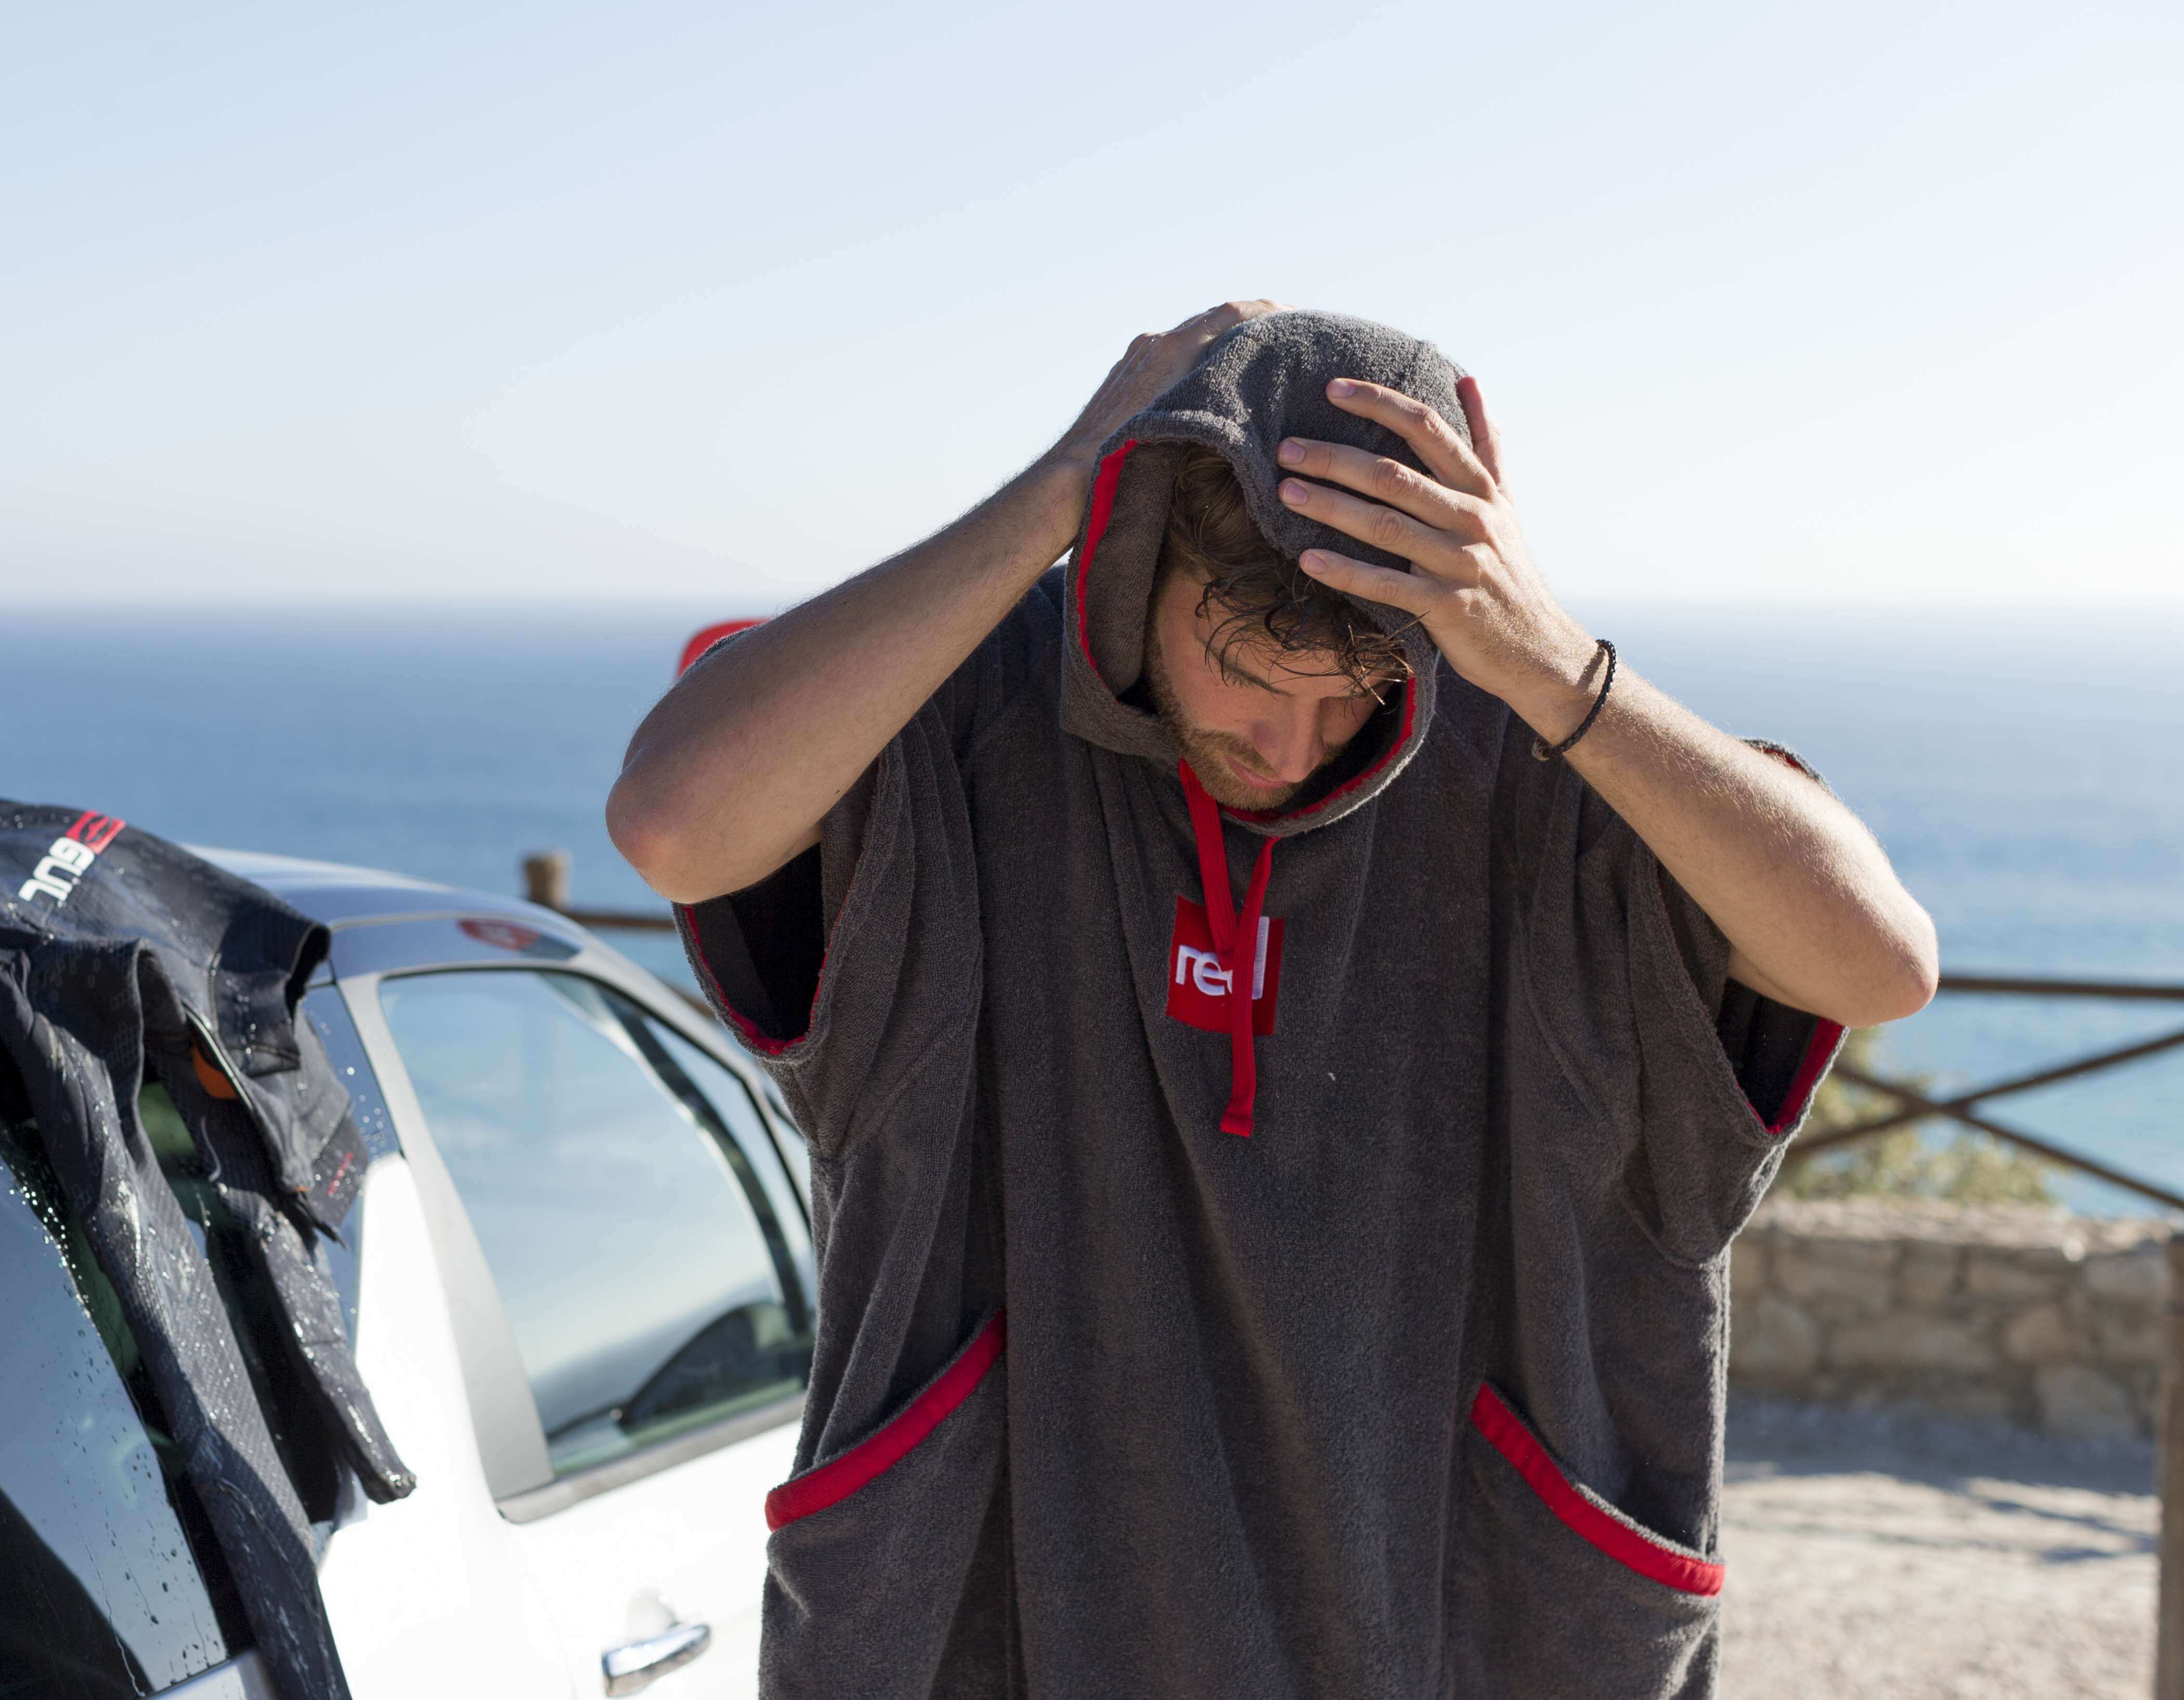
x,y
836,1480
1103,486
1823,1047
1584,1515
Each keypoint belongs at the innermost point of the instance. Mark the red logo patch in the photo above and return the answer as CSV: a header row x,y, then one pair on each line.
x,y
1197,983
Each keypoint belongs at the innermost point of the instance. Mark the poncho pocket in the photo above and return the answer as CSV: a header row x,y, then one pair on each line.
x,y
1568,1595
872,1550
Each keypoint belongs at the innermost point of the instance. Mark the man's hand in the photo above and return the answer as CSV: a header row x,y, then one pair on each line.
x,y
1151,362
1814,915
1473,586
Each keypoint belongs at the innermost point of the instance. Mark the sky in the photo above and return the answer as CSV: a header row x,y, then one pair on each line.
x,y
554,303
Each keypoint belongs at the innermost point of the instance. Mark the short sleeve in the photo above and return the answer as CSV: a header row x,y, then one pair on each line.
x,y
1699,1081
761,949
854,973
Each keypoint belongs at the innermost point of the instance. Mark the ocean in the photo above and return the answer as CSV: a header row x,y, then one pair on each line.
x,y
2022,771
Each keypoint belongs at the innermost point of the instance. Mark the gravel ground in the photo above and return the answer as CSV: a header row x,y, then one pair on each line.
x,y
1889,1559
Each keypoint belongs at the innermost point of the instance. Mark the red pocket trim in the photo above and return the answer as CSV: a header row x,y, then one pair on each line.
x,y
836,1480
1622,1542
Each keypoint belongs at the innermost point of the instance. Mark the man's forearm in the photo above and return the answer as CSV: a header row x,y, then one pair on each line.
x,y
730,775
1814,915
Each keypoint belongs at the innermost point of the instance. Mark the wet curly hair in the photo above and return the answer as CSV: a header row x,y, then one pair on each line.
x,y
1259,599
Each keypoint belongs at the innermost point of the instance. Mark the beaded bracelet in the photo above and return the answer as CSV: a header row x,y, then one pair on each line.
x,y
1540,750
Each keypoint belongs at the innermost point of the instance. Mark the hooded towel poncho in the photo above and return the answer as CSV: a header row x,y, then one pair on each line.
x,y
1417,1391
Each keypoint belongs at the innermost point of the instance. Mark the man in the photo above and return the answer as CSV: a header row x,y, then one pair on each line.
x,y
1364,1335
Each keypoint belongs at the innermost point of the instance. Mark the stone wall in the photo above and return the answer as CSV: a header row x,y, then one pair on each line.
x,y
2045,1319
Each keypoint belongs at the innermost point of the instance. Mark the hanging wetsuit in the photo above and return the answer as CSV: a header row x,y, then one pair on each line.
x,y
124,959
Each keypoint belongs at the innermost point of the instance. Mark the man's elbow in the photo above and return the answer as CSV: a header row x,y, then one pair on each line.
x,y
685,852
652,840
1904,976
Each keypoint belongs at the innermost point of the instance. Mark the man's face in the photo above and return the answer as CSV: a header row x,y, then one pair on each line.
x,y
1253,741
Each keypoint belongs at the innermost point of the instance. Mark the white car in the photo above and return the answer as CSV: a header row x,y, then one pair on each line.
x,y
579,1279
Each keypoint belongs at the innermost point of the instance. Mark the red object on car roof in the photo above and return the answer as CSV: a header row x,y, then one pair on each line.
x,y
704,640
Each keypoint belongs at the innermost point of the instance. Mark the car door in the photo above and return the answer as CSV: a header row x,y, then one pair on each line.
x,y
650,1264
426,1595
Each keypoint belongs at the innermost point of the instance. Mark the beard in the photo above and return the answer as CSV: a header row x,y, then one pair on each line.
x,y
1205,751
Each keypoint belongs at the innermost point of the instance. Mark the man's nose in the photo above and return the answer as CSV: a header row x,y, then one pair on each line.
x,y
1289,746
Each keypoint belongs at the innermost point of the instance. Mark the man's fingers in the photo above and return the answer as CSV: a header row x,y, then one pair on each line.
x,y
1448,456
1484,434
1153,361
1187,340
1217,321
1405,591
1234,313
1375,523
1171,353
1390,482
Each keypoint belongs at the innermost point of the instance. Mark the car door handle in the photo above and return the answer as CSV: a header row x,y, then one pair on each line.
x,y
642,1662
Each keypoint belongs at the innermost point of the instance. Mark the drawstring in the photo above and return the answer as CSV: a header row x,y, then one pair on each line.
x,y
1235,944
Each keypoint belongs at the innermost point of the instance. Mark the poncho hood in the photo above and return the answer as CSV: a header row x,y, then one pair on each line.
x,y
1264,381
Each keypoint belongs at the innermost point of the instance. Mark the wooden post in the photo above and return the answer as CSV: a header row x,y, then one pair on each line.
x,y
2169,1607
546,879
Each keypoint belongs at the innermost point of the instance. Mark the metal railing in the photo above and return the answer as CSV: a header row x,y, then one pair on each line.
x,y
1965,1108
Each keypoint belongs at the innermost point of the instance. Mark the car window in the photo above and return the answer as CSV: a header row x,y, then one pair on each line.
x,y
794,1150
729,1098
641,1260
113,1584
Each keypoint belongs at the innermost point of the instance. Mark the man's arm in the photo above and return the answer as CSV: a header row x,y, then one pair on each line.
x,y
1813,912
730,775
1814,915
